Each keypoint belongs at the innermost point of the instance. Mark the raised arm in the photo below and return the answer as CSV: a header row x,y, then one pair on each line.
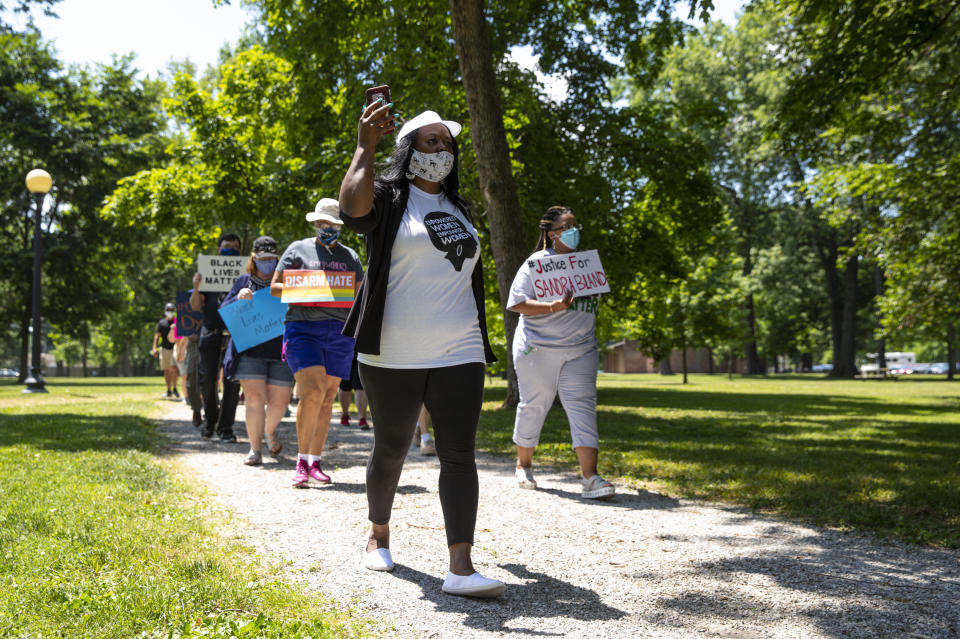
x,y
356,190
196,297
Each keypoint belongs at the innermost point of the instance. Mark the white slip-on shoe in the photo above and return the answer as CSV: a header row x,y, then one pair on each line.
x,y
525,479
378,559
475,585
597,488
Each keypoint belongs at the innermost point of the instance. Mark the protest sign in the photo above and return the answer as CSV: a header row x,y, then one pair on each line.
x,y
255,321
188,321
219,272
554,275
318,288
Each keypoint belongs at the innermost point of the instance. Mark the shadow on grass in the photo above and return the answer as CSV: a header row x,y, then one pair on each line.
x,y
72,432
553,597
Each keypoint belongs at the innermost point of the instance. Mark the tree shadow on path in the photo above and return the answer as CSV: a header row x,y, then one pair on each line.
x,y
541,597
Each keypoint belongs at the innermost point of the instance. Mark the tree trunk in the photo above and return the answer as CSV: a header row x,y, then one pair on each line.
x,y
683,359
951,352
664,367
24,340
878,285
848,342
86,372
125,359
750,345
826,249
507,239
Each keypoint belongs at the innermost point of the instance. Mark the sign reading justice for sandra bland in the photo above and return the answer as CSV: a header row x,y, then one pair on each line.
x,y
219,272
554,275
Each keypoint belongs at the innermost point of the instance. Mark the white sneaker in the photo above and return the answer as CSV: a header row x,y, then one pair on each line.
x,y
597,488
378,559
525,479
427,448
475,585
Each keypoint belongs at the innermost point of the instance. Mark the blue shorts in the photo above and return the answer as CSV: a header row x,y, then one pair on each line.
x,y
274,371
318,343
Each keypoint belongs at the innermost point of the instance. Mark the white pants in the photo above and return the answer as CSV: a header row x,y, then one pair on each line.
x,y
541,374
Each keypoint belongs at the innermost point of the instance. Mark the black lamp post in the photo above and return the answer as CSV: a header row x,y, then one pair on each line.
x,y
39,183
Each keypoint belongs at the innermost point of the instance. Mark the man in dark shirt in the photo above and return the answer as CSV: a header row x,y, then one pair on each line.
x,y
219,415
167,365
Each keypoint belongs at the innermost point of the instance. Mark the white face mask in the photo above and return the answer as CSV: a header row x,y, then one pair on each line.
x,y
432,167
170,314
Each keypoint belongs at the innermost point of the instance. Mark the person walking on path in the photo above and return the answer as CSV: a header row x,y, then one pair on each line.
x,y
353,387
421,435
219,415
316,351
420,326
555,350
167,363
185,354
264,376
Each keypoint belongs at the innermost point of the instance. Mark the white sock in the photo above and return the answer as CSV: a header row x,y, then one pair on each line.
x,y
305,457
312,458
425,438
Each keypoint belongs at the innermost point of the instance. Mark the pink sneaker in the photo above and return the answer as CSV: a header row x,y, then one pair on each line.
x,y
363,424
302,475
317,474
344,419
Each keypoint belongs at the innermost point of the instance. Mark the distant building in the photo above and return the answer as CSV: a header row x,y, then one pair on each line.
x,y
624,357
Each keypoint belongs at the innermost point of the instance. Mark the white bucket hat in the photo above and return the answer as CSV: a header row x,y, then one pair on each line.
x,y
428,117
327,210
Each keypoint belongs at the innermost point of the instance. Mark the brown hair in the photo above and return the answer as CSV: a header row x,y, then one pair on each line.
x,y
252,265
546,223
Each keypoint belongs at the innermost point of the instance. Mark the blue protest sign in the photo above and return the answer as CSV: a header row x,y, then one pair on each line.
x,y
255,321
188,321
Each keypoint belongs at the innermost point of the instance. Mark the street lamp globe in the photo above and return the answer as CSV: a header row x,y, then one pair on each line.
x,y
39,181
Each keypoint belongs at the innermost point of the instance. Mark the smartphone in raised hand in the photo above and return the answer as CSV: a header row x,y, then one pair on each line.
x,y
381,92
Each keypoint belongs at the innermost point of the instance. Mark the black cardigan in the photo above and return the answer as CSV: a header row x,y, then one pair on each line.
x,y
379,229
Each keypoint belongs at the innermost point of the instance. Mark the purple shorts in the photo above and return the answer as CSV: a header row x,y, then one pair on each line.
x,y
318,343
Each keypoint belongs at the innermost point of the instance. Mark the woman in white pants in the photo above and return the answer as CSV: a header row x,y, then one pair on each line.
x,y
555,351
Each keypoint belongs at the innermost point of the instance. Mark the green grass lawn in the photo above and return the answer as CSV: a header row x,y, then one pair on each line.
x,y
100,537
881,456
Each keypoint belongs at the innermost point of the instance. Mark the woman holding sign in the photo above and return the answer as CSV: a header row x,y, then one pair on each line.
x,y
555,350
260,369
316,351
420,326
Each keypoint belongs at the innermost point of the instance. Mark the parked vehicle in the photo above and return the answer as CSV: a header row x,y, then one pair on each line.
x,y
9,372
821,368
938,368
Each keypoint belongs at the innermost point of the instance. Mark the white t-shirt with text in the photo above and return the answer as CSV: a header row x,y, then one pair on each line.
x,y
430,316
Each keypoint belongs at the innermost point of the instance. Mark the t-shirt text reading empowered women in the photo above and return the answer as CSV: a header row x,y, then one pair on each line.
x,y
430,316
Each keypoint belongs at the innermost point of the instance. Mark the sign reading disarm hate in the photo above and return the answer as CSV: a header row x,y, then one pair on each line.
x,y
554,275
219,272
318,288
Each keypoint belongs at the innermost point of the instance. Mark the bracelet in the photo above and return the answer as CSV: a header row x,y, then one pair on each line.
x,y
551,306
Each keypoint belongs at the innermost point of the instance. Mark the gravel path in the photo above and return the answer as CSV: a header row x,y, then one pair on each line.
x,y
642,565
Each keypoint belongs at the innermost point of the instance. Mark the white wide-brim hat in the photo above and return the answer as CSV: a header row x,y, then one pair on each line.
x,y
425,118
327,210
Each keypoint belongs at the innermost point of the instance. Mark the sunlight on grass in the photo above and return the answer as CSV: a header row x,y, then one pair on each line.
x,y
101,539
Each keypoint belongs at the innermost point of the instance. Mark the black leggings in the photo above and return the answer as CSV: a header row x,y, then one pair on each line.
x,y
453,396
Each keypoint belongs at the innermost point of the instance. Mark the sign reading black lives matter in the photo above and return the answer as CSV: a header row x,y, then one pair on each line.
x,y
219,272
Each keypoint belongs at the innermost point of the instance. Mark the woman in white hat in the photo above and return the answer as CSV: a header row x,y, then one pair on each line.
x,y
420,326
313,344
